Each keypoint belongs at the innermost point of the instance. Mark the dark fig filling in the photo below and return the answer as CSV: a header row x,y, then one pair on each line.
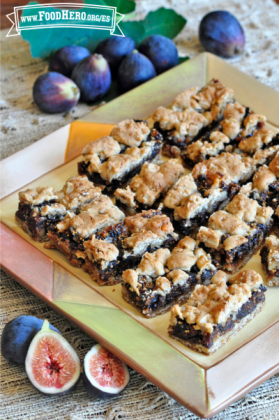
x,y
111,186
37,224
237,255
188,333
270,197
114,234
149,302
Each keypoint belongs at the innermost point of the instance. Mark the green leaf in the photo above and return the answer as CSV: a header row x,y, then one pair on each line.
x,y
163,22
123,6
183,59
44,42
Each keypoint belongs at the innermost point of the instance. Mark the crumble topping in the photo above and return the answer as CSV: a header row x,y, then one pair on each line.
x,y
184,100
191,124
234,221
169,120
104,148
261,137
148,221
262,178
130,132
53,210
169,268
77,191
234,110
182,188
250,123
152,181
227,167
211,238
211,305
274,166
117,166
243,207
190,206
96,249
262,156
228,223
200,150
94,216
37,196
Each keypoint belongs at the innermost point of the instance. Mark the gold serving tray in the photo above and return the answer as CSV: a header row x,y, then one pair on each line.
x,y
204,384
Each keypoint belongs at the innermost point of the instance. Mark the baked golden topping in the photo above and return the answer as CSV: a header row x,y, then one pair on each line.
x,y
148,221
130,132
152,181
262,178
96,249
77,191
169,267
227,167
118,165
274,166
211,305
94,217
37,196
182,188
261,137
104,148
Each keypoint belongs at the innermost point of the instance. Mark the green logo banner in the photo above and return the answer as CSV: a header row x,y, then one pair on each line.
x,y
65,15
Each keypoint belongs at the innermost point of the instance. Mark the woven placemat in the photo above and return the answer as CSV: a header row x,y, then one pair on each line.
x,y
22,124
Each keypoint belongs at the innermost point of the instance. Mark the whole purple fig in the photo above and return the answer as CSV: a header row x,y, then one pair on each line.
x,y
134,70
54,93
93,77
161,51
114,49
220,33
65,59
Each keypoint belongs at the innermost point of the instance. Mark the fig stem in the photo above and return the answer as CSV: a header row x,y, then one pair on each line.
x,y
45,326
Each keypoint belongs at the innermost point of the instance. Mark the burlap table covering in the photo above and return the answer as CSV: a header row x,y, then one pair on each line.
x,y
21,125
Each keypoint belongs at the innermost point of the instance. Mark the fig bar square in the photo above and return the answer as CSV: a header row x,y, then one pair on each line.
x,y
265,185
146,189
164,278
113,160
270,260
43,207
121,247
215,313
239,131
192,113
236,233
69,235
213,183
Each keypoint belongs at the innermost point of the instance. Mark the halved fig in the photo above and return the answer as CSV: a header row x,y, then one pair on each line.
x,y
17,336
52,365
104,375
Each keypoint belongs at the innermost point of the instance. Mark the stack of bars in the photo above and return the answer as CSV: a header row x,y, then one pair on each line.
x,y
166,234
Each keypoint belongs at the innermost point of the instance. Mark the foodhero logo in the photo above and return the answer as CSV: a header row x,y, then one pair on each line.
x,y
41,16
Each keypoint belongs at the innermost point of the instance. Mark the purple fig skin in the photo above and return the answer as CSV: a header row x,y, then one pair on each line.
x,y
134,70
161,51
17,336
94,392
114,49
220,33
93,77
54,93
65,59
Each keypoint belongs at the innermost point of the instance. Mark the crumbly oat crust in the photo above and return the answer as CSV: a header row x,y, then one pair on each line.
x,y
212,305
152,181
